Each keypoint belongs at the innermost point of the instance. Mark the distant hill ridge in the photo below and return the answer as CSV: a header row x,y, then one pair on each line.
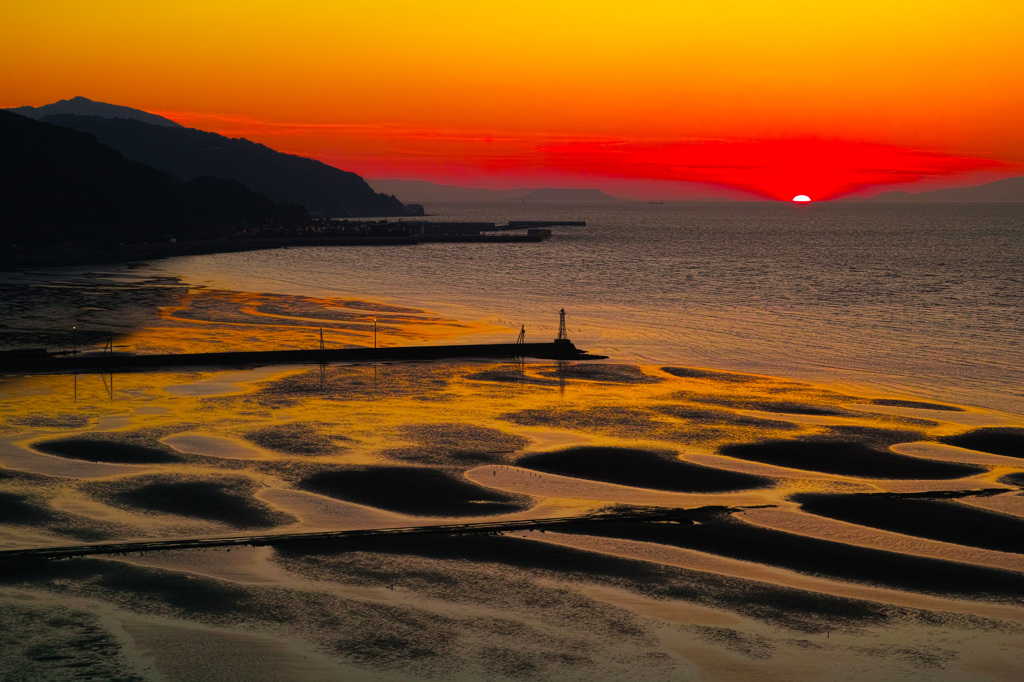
x,y
82,106
187,153
1010,190
557,194
423,191
59,185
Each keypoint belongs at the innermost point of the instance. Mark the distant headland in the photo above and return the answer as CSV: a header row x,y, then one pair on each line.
x,y
79,177
1008,191
186,154
84,181
425,192
555,194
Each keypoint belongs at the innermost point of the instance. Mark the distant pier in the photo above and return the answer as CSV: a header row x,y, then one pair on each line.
x,y
340,232
518,224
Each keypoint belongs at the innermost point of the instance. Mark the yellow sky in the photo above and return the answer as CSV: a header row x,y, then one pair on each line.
x,y
937,75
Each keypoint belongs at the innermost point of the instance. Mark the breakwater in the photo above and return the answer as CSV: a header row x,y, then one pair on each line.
x,y
521,224
271,539
439,226
110,362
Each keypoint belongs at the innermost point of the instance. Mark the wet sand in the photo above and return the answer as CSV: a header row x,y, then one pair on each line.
x,y
1008,442
98,449
412,490
920,516
215,446
225,499
850,536
723,535
824,528
640,469
852,452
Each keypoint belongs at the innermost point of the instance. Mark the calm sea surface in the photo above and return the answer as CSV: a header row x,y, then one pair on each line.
x,y
928,300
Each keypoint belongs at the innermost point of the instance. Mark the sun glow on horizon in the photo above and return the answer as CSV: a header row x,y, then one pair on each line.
x,y
801,198
598,95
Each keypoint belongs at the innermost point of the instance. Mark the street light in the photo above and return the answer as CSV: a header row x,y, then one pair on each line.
x,y
375,332
74,339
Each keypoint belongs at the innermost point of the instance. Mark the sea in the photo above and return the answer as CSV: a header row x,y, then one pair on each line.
x,y
833,536
922,300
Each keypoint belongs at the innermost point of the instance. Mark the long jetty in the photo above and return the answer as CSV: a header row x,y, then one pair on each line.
x,y
110,362
452,226
273,539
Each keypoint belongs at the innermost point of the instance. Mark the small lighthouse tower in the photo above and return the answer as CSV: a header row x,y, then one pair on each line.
x,y
563,336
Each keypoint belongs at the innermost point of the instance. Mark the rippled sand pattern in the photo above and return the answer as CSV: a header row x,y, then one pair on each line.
x,y
839,534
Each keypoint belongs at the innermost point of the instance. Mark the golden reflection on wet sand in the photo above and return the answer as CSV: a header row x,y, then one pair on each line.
x,y
210,319
242,448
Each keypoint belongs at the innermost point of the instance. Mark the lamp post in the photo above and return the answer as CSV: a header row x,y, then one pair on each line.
x,y
74,339
375,332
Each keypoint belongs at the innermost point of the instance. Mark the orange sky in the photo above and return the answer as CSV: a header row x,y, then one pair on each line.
x,y
772,98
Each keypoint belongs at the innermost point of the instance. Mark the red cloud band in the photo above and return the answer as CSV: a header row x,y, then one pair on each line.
x,y
775,169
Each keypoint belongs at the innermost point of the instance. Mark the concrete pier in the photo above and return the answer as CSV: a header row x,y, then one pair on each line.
x,y
64,364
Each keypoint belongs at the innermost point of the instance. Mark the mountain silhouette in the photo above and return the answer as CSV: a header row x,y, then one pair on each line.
x,y
1006,191
187,153
424,191
557,194
82,106
60,186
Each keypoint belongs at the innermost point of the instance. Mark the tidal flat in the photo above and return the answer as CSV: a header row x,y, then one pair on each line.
x,y
842,534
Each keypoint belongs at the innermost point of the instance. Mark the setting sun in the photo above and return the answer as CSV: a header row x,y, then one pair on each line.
x,y
801,198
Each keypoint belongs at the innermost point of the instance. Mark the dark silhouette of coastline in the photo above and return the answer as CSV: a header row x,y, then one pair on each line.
x,y
186,153
61,189
274,236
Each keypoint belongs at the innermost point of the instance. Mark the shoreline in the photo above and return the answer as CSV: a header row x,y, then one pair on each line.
x,y
160,279
345,452
15,259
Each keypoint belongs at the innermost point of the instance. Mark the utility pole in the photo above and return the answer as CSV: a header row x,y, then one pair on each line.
x,y
520,353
